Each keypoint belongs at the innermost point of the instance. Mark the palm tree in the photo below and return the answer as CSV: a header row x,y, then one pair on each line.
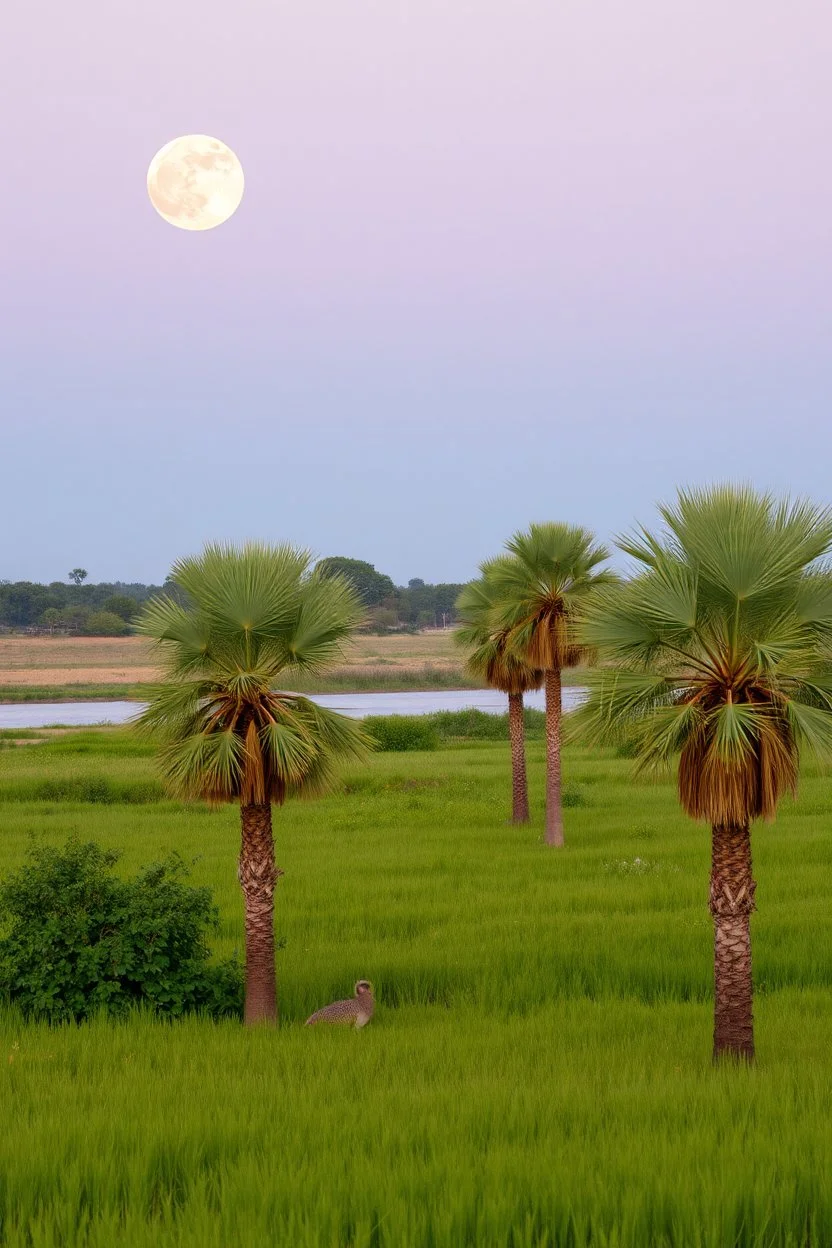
x,y
719,653
548,574
491,660
243,618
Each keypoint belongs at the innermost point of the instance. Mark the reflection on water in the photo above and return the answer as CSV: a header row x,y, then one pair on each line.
x,y
356,705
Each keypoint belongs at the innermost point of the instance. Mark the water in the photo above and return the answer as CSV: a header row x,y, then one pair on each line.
x,y
356,705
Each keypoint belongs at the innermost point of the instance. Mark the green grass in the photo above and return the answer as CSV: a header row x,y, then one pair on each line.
x,y
538,1073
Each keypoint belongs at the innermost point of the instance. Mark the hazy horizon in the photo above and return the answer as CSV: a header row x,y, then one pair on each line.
x,y
493,264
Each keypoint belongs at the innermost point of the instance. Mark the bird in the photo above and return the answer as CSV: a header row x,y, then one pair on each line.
x,y
357,1010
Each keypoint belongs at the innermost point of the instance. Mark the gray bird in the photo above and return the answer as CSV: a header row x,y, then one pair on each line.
x,y
356,1011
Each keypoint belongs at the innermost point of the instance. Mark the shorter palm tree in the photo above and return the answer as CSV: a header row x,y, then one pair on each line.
x,y
244,619
719,652
540,587
491,660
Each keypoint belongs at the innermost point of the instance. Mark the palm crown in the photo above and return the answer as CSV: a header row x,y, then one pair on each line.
x,y
251,616
719,649
486,637
540,584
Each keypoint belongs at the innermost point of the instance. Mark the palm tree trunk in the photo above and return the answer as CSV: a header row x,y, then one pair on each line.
x,y
519,784
258,876
731,904
554,812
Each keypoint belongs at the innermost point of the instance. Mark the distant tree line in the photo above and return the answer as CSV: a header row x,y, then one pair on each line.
x,y
104,610
109,609
390,607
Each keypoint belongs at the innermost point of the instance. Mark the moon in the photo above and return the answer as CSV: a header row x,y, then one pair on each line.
x,y
195,182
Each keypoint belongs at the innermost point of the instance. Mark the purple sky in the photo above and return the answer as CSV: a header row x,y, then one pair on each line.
x,y
496,262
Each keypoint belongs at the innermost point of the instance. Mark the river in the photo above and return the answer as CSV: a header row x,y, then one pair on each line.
x,y
356,705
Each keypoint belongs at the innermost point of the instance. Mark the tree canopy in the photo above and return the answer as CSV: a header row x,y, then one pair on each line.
x,y
371,586
719,648
228,730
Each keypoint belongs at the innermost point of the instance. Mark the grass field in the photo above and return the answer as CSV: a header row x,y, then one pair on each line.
x,y
44,669
538,1073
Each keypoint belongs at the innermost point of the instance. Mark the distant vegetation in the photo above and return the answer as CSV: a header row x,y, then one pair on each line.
x,y
108,609
104,610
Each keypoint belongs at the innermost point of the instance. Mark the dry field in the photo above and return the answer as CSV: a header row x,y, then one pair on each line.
x,y
56,661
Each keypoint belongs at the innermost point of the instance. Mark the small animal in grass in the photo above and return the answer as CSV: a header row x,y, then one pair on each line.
x,y
355,1012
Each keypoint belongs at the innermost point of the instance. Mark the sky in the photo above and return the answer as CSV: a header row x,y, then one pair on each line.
x,y
497,261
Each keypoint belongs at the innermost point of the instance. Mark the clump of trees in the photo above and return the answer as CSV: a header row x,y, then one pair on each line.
x,y
79,607
105,610
390,607
714,655
520,626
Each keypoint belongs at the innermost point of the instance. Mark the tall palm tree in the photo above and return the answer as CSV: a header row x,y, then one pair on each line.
x,y
491,660
548,574
247,616
719,653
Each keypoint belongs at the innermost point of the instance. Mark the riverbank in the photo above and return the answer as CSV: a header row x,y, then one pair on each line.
x,y
341,680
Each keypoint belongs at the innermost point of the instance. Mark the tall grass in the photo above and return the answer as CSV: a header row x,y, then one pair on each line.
x,y
538,1073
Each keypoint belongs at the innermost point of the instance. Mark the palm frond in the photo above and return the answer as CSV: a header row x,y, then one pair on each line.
x,y
207,766
811,727
329,611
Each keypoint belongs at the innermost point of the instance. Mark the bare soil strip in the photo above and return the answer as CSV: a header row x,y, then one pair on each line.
x,y
57,661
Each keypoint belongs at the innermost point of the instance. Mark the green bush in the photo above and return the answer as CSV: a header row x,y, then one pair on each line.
x,y
106,624
398,733
470,725
474,725
122,606
573,795
76,939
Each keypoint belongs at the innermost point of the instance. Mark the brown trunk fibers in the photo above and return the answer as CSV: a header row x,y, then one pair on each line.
x,y
258,876
554,813
731,904
519,785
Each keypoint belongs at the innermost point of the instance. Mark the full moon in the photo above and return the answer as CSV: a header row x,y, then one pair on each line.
x,y
195,182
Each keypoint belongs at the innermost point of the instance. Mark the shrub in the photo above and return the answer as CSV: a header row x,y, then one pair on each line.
x,y
474,725
573,795
76,939
105,624
402,732
122,606
470,725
